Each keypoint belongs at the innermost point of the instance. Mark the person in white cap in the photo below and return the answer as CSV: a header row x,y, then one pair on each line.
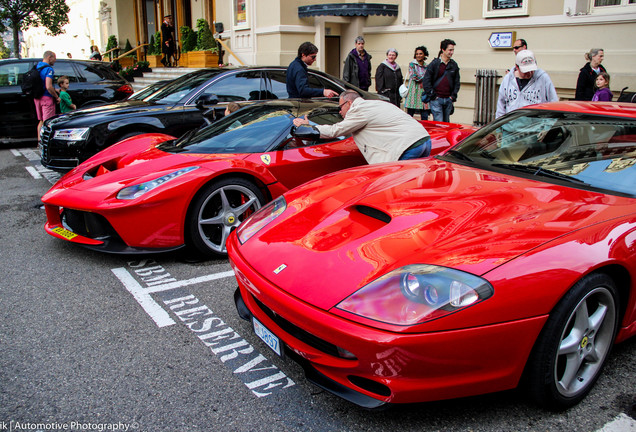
x,y
524,85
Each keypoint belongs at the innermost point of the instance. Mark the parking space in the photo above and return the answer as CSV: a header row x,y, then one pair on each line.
x,y
154,342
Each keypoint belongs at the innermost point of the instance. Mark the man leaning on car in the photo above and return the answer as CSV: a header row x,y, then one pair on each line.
x,y
382,131
45,106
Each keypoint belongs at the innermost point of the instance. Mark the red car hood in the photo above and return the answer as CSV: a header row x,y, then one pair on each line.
x,y
134,160
344,230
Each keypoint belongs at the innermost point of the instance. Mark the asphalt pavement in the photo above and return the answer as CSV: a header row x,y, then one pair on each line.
x,y
91,341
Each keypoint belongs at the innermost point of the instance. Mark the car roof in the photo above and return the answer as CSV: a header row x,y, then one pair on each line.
x,y
614,109
33,59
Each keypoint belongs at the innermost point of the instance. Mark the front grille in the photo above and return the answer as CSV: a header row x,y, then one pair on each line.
x,y
45,138
298,333
87,224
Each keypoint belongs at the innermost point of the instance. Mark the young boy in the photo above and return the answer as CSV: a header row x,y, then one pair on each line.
x,y
66,104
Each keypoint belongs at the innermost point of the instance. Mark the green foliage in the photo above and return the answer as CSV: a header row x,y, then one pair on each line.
x,y
5,52
142,65
188,39
24,14
150,49
205,38
127,73
157,47
112,42
128,46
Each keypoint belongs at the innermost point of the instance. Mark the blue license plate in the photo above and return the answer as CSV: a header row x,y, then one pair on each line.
x,y
270,339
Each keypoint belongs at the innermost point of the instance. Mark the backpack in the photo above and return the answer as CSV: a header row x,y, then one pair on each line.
x,y
32,83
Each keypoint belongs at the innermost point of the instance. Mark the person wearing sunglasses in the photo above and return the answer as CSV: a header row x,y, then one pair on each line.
x,y
297,78
519,45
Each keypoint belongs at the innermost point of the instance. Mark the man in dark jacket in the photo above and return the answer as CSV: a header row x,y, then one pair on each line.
x,y
168,45
441,82
357,67
297,82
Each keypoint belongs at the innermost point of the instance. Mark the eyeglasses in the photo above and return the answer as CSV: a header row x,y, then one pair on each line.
x,y
342,104
313,56
517,47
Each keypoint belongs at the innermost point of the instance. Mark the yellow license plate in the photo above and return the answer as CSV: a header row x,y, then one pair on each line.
x,y
64,233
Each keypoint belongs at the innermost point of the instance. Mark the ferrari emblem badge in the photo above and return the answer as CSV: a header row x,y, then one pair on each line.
x,y
280,268
266,159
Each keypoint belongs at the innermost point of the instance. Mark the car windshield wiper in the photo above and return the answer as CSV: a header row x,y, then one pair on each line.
x,y
538,171
459,155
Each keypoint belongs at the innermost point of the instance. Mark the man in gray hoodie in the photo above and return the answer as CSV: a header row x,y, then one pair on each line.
x,y
525,85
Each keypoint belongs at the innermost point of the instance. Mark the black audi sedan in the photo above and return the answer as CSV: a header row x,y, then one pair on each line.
x,y
174,108
91,83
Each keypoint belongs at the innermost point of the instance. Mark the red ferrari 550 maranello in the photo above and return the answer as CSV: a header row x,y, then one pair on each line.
x,y
154,193
508,259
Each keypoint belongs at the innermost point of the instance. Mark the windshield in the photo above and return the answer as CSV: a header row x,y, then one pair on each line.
x,y
176,90
588,151
251,130
147,91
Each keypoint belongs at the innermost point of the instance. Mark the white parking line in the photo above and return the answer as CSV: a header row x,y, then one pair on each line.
x,y
33,172
179,284
152,308
622,423
156,312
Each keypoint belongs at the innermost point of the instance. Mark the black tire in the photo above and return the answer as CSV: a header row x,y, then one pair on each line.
x,y
572,348
217,210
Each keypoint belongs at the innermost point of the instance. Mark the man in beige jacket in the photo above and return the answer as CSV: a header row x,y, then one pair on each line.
x,y
382,131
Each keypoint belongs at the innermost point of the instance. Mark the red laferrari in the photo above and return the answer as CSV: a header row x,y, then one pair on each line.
x,y
508,259
154,193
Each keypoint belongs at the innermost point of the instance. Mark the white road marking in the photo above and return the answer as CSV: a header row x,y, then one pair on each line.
x,y
156,312
34,173
179,284
622,423
16,153
152,308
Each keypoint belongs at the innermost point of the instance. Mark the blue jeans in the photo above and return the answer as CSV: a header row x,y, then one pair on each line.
x,y
420,148
441,109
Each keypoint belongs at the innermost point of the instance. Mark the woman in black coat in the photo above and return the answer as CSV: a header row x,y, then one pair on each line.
x,y
587,77
388,78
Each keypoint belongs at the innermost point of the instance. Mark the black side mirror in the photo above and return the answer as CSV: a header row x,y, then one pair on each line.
x,y
303,132
204,101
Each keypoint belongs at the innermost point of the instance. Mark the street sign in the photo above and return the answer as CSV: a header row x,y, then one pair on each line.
x,y
501,40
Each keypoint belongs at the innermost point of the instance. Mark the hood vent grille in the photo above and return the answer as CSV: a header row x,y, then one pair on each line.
x,y
374,213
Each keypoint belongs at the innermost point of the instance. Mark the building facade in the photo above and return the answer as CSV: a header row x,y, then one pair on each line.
x,y
268,32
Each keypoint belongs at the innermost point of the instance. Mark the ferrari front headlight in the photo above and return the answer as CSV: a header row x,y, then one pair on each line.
x,y
135,191
417,293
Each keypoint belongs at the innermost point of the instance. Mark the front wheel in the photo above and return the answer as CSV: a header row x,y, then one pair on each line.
x,y
572,348
218,210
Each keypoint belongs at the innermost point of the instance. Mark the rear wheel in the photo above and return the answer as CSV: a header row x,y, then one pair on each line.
x,y
218,210
572,349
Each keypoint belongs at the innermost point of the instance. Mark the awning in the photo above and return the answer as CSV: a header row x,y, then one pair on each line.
x,y
348,9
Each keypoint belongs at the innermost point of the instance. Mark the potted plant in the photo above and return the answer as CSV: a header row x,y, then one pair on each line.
x,y
143,66
112,43
127,73
153,52
129,59
206,52
188,43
